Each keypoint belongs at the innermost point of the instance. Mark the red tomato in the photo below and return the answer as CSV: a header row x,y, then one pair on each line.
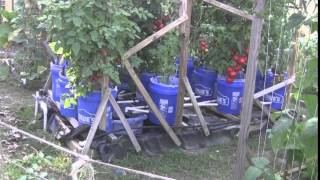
x,y
232,74
242,60
161,26
229,70
230,80
237,68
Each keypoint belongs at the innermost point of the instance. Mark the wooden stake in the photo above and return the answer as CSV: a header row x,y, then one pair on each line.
x,y
247,104
97,119
155,36
150,102
186,8
230,9
104,87
196,106
125,124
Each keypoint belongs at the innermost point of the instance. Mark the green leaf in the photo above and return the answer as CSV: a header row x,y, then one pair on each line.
x,y
295,20
280,131
252,173
309,137
260,162
23,177
77,21
94,36
75,48
314,26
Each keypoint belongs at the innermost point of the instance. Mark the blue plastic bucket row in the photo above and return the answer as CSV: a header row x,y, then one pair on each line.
x,y
86,107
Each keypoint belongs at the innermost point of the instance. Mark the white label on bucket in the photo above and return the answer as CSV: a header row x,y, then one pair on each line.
x,y
223,100
277,98
235,100
163,106
203,90
85,116
170,109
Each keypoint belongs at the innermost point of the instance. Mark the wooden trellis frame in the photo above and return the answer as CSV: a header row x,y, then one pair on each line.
x,y
184,22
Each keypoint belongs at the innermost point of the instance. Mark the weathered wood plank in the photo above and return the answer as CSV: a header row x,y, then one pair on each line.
x,y
230,9
196,106
125,124
271,89
186,7
247,105
104,86
150,102
96,122
155,36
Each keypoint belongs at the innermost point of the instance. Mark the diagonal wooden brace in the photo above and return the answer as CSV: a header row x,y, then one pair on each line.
x,y
196,106
125,124
155,36
230,9
97,119
150,102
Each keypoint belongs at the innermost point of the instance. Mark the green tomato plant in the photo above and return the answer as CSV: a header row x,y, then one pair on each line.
x,y
95,35
159,56
216,35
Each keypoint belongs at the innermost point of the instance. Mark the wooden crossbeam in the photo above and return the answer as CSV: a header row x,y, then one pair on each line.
x,y
150,102
275,87
230,9
186,8
196,106
97,119
155,36
125,124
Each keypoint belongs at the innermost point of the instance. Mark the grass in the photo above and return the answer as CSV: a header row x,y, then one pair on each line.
x,y
212,163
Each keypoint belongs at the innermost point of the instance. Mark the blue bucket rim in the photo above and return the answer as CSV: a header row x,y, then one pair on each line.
x,y
161,88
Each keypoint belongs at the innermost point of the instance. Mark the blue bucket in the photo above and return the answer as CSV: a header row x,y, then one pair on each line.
x,y
259,81
277,97
165,98
136,123
229,96
55,70
88,106
145,79
190,67
204,83
71,111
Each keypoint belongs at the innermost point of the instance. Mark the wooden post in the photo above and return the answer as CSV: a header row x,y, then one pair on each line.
x,y
150,102
196,106
125,124
97,119
247,103
186,7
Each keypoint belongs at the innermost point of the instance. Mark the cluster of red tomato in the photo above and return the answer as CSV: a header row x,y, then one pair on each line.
x,y
160,23
203,45
240,61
